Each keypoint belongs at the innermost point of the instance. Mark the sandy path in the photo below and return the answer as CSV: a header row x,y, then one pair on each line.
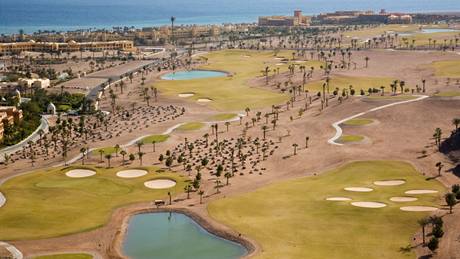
x,y
12,249
338,129
2,200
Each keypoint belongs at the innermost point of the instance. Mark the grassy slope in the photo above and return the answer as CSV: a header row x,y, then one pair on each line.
x,y
47,203
358,122
303,225
223,116
227,92
350,138
65,256
372,32
358,83
448,94
106,150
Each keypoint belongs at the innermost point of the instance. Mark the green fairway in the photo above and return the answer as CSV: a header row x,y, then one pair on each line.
x,y
377,31
156,138
105,150
350,138
358,122
223,116
191,126
449,68
65,256
292,219
47,203
233,93
448,94
344,82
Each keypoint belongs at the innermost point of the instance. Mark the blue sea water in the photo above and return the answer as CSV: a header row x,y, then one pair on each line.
x,y
59,15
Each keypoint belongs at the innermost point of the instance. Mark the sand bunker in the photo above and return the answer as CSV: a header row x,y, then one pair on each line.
x,y
132,173
280,64
338,199
358,189
418,208
185,95
204,100
420,191
160,184
389,182
368,204
403,199
2,200
246,56
80,173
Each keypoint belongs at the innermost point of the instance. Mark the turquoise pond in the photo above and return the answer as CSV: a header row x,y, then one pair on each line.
x,y
192,74
174,236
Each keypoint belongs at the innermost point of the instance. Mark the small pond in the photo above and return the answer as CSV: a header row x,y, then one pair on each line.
x,y
168,235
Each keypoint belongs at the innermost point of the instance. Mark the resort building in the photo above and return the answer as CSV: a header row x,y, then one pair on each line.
x,y
71,46
26,83
362,17
285,21
8,114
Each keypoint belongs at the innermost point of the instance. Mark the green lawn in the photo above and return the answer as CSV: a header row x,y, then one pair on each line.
x,y
370,32
350,138
47,203
450,68
191,126
156,138
65,256
292,219
223,116
342,82
233,93
358,122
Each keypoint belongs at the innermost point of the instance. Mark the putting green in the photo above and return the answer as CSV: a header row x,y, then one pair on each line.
x,y
350,138
303,224
342,82
191,126
156,138
448,68
105,150
65,256
227,92
358,122
47,203
223,116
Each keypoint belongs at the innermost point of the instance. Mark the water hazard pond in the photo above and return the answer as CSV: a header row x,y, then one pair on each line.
x,y
175,236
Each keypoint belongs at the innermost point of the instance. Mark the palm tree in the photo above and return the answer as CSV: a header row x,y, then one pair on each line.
x,y
172,29
423,84
123,154
247,110
439,165
117,148
108,157
201,192
101,153
437,136
264,129
82,151
139,144
140,154
367,61
423,222
306,141
188,189
295,148
450,200
170,198
227,175
227,124
456,122
153,145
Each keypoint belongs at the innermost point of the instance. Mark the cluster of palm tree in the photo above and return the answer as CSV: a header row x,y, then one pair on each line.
x,y
436,224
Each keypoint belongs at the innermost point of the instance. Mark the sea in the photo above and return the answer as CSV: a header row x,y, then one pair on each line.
x,y
63,15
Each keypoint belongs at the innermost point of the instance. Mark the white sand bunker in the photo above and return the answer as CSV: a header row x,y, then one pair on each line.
x,y
389,182
368,204
2,200
418,208
280,64
160,184
246,56
403,199
185,95
338,199
204,100
420,191
358,189
80,173
132,173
